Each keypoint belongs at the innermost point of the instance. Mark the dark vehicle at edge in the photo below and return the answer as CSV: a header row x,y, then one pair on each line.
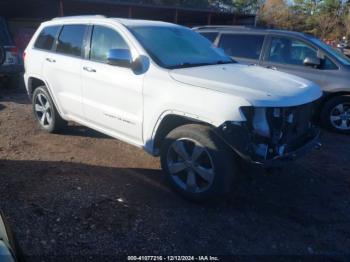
x,y
11,66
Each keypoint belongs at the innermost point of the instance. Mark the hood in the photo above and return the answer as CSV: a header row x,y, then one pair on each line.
x,y
259,86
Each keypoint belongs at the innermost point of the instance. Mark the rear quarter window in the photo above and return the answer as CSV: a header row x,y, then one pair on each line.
x,y
242,45
47,37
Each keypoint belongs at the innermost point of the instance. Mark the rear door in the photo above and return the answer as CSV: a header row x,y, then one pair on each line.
x,y
287,54
42,47
62,69
243,47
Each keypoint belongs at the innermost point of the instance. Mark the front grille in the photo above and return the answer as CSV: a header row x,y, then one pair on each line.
x,y
289,128
292,125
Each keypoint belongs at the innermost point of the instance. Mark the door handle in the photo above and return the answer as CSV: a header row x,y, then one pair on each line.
x,y
89,69
50,60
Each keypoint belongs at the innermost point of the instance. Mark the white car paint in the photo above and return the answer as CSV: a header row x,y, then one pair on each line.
x,y
259,86
131,106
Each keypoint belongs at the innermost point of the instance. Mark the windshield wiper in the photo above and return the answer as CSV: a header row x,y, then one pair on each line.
x,y
225,62
187,64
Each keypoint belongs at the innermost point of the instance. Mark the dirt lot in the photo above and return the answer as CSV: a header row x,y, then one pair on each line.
x,y
82,193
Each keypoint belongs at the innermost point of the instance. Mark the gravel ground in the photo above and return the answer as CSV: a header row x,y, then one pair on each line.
x,y
84,194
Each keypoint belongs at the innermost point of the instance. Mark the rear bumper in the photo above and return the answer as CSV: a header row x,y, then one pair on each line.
x,y
6,70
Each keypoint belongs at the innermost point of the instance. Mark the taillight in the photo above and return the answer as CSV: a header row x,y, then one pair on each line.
x,y
14,50
24,55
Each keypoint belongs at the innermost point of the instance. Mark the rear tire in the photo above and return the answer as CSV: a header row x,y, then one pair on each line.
x,y
45,111
197,163
335,114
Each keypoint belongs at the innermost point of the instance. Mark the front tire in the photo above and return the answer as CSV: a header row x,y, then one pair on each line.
x,y
336,114
197,163
45,111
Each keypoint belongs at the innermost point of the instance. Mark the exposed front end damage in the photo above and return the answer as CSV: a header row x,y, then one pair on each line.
x,y
272,134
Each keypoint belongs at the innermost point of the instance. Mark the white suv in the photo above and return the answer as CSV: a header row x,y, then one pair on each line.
x,y
168,90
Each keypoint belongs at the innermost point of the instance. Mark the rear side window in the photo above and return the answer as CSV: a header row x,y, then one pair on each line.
x,y
211,36
242,45
329,65
70,41
47,37
290,51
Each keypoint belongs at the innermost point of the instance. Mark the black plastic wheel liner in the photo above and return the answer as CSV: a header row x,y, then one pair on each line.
x,y
2,55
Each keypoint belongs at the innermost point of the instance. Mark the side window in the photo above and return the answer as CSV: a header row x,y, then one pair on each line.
x,y
70,41
103,39
290,51
328,64
211,36
47,37
242,45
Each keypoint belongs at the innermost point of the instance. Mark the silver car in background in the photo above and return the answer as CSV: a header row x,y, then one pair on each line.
x,y
296,53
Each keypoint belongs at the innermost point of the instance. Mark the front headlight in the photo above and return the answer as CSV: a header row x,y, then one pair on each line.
x,y
257,117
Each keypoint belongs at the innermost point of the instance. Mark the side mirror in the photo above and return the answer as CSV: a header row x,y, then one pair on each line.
x,y
312,61
120,57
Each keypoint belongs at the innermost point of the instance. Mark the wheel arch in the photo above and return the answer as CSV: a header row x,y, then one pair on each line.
x,y
326,107
166,124
34,82
330,96
338,93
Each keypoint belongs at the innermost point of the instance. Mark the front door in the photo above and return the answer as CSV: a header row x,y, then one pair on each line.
x,y
112,95
287,54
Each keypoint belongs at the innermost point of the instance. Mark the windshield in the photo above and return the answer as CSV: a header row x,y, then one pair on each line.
x,y
178,47
337,54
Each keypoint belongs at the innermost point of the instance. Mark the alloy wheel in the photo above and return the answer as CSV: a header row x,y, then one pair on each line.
x,y
190,165
43,110
340,116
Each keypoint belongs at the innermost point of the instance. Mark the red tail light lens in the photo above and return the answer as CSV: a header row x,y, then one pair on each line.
x,y
14,50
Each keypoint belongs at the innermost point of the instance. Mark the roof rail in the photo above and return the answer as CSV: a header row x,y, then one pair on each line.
x,y
225,26
79,16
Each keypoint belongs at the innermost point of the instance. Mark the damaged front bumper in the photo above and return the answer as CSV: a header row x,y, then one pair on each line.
x,y
271,136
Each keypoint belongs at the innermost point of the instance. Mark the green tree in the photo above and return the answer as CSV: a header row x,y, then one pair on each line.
x,y
275,14
323,18
346,20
